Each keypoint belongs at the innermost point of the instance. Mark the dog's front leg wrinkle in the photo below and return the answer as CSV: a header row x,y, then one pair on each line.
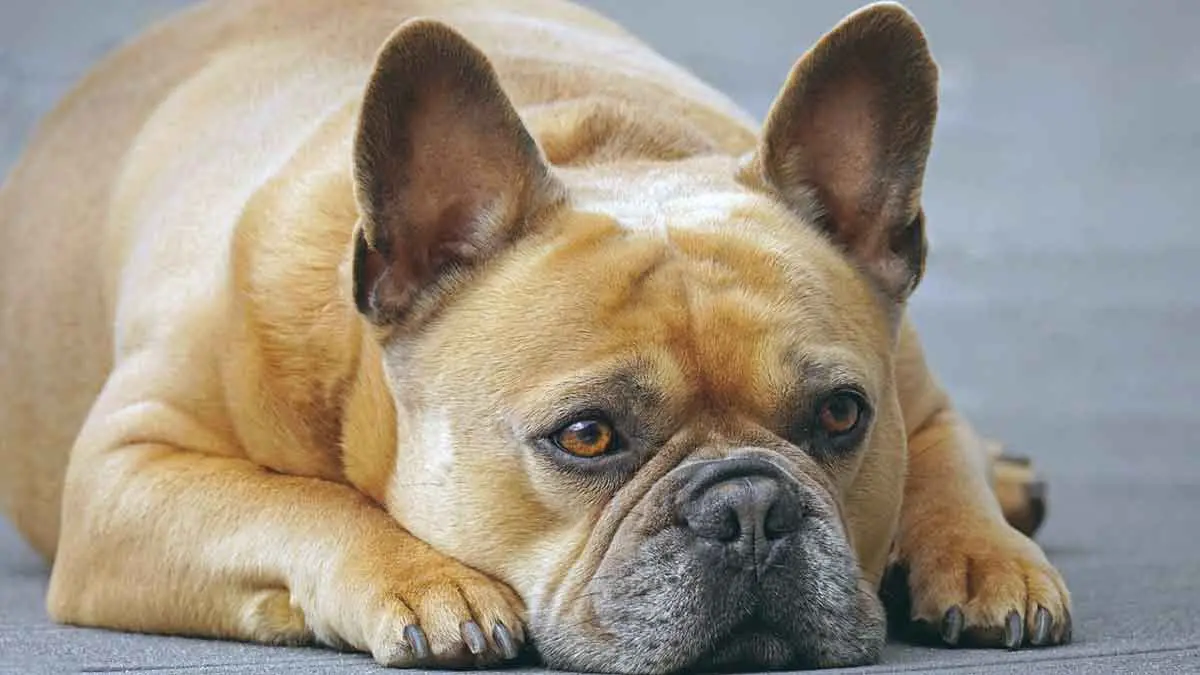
x,y
161,538
972,576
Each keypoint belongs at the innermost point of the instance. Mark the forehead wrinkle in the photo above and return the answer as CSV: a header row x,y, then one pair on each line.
x,y
712,327
728,284
729,337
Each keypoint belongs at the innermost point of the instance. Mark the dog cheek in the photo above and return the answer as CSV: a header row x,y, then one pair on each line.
x,y
841,618
872,499
635,616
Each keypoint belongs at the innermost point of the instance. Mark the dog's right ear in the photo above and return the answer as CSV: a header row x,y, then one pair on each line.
x,y
446,172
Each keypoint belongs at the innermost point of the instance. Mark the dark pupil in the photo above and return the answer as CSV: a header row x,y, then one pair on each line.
x,y
588,433
841,408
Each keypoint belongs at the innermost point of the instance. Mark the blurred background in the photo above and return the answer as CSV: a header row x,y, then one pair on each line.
x,y
1062,300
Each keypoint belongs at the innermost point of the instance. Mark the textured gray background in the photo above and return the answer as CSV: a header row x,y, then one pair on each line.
x,y
1062,303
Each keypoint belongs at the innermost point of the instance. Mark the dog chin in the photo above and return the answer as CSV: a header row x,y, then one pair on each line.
x,y
752,647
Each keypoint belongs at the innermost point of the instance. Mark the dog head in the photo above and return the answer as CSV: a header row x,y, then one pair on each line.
x,y
655,398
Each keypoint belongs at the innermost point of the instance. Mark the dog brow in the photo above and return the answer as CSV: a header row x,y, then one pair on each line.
x,y
626,392
812,378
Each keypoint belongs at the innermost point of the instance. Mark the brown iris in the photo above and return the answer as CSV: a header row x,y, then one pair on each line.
x,y
839,414
586,438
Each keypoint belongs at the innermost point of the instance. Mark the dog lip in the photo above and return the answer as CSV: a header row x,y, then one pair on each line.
x,y
751,645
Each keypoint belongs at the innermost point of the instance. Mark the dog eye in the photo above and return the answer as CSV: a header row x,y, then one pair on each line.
x,y
586,438
840,414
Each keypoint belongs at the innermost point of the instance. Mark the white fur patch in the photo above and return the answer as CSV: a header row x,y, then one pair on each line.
x,y
666,200
424,462
433,442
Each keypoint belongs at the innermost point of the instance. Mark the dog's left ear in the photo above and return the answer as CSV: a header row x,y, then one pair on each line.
x,y
846,141
446,172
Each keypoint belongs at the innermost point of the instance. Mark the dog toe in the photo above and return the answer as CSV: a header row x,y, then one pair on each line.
x,y
449,618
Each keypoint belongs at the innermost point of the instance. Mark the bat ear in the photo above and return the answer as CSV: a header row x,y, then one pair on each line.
x,y
446,173
846,141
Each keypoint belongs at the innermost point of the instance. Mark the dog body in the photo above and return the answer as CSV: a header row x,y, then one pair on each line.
x,y
304,338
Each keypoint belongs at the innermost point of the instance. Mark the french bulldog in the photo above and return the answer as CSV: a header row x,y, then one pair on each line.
x,y
439,330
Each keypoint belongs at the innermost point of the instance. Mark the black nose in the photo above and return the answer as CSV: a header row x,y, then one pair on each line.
x,y
746,506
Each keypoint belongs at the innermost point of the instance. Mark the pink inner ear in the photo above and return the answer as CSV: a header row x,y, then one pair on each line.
x,y
838,149
849,136
446,168
464,157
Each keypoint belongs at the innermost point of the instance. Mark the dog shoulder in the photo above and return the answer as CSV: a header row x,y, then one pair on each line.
x,y
297,344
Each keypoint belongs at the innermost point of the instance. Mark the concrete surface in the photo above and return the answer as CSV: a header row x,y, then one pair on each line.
x,y
1061,306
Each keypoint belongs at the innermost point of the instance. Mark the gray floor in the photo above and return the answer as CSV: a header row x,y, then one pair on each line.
x,y
1062,304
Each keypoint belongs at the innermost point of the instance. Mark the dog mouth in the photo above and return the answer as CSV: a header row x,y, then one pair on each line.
x,y
708,580
753,645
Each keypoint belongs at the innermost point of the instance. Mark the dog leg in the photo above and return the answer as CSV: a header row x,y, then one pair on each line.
x,y
165,536
971,574
1022,493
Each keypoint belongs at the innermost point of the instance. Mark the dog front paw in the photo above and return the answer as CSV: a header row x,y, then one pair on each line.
x,y
451,617
440,615
991,587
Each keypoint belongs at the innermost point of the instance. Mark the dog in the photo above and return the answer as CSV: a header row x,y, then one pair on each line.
x,y
454,332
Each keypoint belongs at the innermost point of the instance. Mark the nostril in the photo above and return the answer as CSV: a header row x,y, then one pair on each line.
x,y
783,518
746,505
715,515
728,527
